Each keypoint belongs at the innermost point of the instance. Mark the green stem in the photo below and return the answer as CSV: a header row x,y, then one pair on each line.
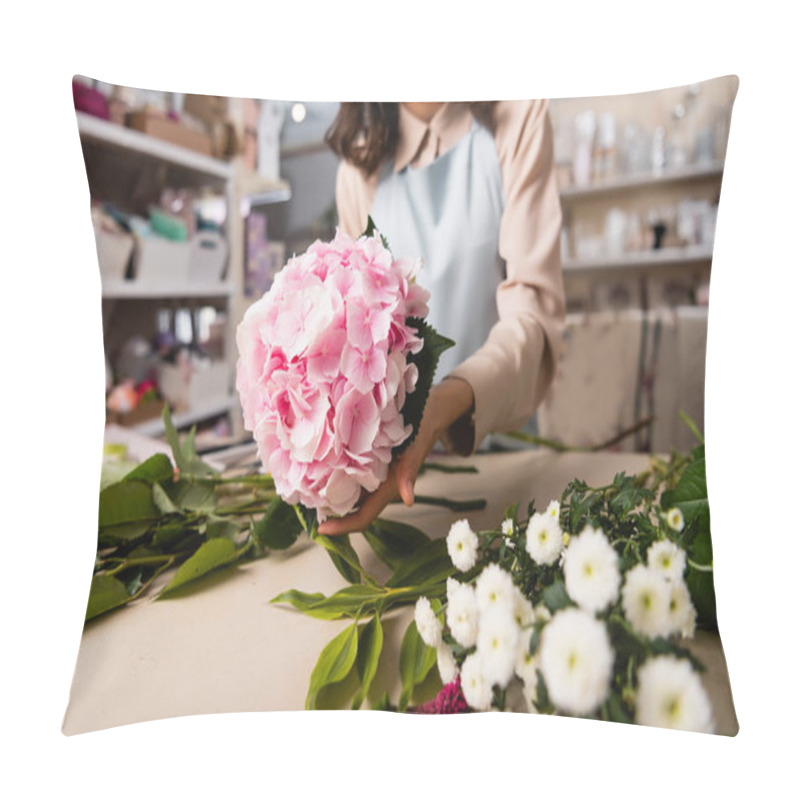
x,y
127,563
453,505
692,427
559,447
258,480
244,509
448,468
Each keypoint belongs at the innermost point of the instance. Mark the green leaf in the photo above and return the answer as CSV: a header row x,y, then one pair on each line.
x,y
193,495
124,533
163,501
106,592
211,555
616,711
279,527
542,701
370,644
701,589
394,542
690,495
189,463
352,601
370,231
430,563
302,601
628,496
426,360
129,501
335,661
555,596
169,534
156,469
416,661
222,527
114,470
343,556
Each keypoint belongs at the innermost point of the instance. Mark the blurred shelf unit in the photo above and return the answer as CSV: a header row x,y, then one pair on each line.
x,y
127,141
582,202
109,151
640,260
122,289
696,172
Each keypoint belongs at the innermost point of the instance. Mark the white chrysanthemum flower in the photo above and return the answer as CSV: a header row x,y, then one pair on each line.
x,y
448,669
494,589
522,609
428,624
462,612
681,611
477,690
645,601
576,661
544,539
507,527
591,574
498,635
462,545
666,557
675,519
526,663
553,509
670,695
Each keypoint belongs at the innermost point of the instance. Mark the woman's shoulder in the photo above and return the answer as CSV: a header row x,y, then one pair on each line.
x,y
516,125
513,115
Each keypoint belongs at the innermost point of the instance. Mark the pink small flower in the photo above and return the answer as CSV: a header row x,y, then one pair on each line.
x,y
450,700
364,369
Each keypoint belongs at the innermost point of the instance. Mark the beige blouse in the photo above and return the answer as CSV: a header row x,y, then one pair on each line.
x,y
512,371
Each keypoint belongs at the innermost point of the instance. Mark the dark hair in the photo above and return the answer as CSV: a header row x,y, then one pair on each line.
x,y
366,134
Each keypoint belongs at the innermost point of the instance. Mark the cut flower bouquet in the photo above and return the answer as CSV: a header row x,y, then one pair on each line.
x,y
586,607
586,623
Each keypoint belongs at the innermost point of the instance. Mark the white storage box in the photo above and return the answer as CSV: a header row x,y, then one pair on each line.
x,y
161,262
188,387
209,253
113,252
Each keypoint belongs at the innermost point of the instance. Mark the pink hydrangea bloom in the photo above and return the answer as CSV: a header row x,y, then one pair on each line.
x,y
323,370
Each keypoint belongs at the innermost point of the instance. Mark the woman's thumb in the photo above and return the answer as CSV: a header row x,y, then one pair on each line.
x,y
407,469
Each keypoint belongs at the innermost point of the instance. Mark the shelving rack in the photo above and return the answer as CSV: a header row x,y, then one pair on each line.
x,y
642,261
152,156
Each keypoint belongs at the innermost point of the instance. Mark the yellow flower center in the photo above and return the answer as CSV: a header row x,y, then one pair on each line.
x,y
572,661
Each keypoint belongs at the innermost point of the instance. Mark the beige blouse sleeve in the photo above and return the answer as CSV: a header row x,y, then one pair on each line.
x,y
511,373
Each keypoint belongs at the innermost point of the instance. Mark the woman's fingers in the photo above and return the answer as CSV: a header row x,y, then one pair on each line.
x,y
368,511
402,474
408,469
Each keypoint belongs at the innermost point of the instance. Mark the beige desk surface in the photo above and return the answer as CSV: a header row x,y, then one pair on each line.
x,y
225,648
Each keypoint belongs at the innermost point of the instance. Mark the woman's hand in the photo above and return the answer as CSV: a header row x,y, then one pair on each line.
x,y
447,401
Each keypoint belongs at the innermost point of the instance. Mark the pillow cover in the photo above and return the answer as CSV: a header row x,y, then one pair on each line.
x,y
567,571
